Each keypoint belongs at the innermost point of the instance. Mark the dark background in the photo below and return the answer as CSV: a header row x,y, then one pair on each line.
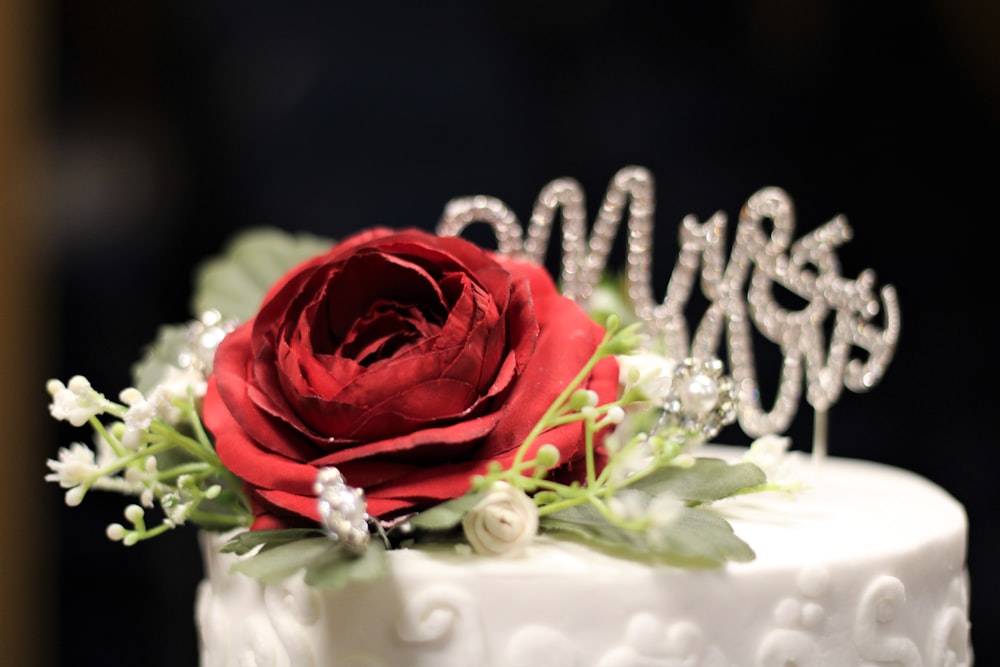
x,y
170,125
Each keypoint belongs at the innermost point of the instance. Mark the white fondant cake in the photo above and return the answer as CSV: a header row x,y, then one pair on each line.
x,y
864,565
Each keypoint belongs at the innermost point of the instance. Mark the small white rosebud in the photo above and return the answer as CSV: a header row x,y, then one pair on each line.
x,y
502,523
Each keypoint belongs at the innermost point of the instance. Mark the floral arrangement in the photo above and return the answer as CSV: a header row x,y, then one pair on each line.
x,y
334,401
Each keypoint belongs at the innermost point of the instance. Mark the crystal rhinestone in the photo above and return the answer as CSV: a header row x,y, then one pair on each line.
x,y
342,510
202,337
699,394
702,400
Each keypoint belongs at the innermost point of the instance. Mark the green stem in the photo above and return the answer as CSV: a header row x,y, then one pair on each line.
x,y
553,411
103,432
153,532
160,431
191,468
218,519
127,459
588,441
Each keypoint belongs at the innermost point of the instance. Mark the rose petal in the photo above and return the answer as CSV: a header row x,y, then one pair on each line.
x,y
409,382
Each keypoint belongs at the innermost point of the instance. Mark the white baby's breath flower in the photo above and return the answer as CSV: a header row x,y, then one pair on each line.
x,y
663,512
770,454
140,414
141,483
133,439
650,373
176,385
75,465
75,402
176,506
683,460
629,504
659,512
626,462
502,523
177,382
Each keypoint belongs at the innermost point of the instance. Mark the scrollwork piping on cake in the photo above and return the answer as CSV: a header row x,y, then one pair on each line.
x,y
441,613
879,605
540,645
294,609
787,648
650,642
948,640
793,643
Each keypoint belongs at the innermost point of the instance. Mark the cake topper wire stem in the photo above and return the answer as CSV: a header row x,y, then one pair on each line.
x,y
820,436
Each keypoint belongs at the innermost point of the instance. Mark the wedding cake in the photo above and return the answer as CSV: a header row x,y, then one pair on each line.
x,y
402,448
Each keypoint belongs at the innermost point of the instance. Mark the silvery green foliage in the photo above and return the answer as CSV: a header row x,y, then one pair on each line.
x,y
235,282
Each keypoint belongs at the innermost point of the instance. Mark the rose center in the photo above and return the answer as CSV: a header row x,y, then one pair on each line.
x,y
385,330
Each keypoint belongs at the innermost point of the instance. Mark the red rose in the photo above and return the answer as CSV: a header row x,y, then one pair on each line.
x,y
406,360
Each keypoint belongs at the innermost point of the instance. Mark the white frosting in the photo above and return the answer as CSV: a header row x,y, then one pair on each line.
x,y
866,565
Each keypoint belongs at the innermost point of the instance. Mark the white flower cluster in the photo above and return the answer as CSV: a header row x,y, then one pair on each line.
x,y
75,401
147,445
771,454
654,514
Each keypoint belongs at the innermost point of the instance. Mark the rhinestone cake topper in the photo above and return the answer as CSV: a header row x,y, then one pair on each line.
x,y
740,293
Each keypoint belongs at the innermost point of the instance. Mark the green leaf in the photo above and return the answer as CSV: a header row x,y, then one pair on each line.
x,y
586,522
707,480
278,563
163,352
370,565
236,282
696,537
445,516
325,564
248,540
699,535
